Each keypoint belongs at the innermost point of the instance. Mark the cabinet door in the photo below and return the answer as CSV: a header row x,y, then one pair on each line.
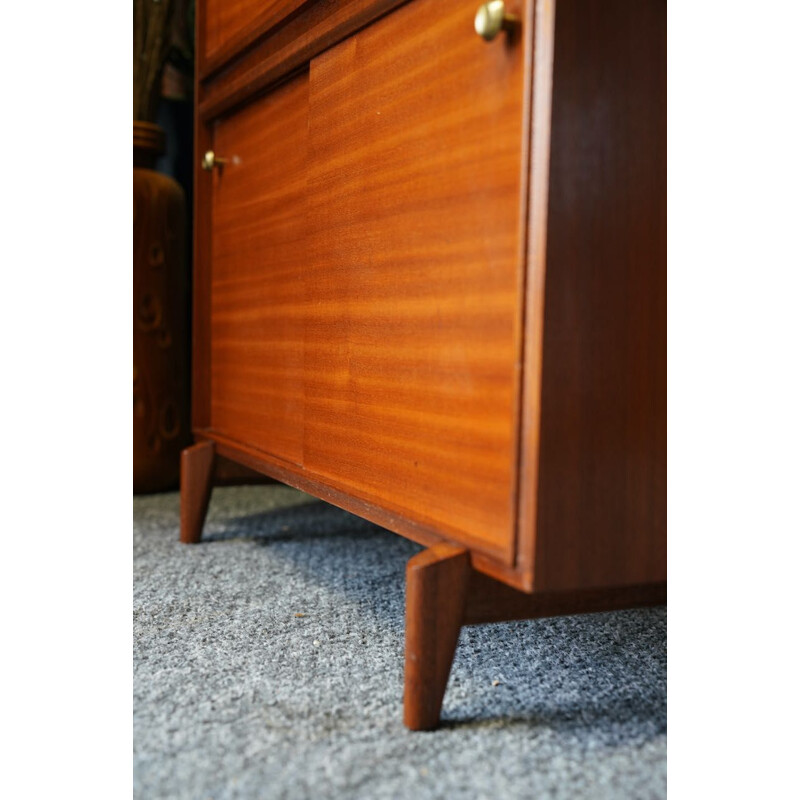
x,y
258,255
416,224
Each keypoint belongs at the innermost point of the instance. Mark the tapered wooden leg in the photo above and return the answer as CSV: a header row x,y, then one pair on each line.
x,y
197,467
436,591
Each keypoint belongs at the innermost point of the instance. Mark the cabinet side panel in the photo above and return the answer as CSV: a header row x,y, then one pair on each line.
x,y
601,516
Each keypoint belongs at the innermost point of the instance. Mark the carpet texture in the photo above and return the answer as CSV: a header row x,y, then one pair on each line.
x,y
268,663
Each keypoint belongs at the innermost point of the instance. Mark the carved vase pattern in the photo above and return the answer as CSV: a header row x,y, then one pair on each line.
x,y
160,318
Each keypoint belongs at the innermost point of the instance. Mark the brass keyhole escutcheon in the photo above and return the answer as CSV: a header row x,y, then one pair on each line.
x,y
210,160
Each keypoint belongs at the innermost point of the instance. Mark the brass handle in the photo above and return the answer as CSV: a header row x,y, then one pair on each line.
x,y
210,161
492,18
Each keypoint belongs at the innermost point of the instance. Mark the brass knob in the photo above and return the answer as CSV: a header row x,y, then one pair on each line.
x,y
492,18
210,161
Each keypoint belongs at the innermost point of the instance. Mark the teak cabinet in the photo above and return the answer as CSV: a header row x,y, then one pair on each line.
x,y
430,287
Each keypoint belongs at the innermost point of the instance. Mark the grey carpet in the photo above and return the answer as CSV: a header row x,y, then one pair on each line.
x,y
236,696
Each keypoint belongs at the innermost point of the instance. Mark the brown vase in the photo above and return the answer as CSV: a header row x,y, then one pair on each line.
x,y
160,318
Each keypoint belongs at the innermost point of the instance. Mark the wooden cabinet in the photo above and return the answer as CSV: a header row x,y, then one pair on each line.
x,y
430,287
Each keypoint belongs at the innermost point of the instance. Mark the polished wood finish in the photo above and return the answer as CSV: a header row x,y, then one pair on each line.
x,y
202,468
322,305
406,283
430,288
232,473
492,601
258,272
316,27
595,514
436,591
329,491
197,467
444,592
415,268
201,268
233,25
542,27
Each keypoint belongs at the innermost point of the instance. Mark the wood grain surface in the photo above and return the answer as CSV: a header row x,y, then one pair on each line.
x,y
202,192
360,285
415,227
258,262
328,490
444,592
231,25
489,600
601,484
437,581
291,45
197,469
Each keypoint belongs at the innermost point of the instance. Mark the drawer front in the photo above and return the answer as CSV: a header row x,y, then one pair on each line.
x,y
258,201
416,186
228,25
